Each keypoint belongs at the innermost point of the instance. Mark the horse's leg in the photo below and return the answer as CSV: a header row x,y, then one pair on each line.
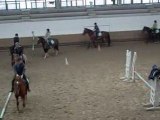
x,y
99,46
24,102
46,55
94,43
109,42
89,45
57,52
17,103
56,49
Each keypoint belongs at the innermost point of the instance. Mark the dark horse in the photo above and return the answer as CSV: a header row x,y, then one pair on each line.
x,y
15,54
54,43
152,35
20,90
105,37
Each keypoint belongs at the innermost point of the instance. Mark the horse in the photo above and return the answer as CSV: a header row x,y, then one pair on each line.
x,y
152,35
15,55
54,43
105,37
20,90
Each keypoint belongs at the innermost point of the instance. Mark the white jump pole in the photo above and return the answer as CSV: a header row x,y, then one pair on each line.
x,y
133,65
5,105
66,61
127,75
33,37
141,78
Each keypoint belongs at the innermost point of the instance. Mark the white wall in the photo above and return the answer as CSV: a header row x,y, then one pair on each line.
x,y
73,26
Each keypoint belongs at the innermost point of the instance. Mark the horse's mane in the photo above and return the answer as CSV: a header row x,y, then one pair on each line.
x,y
41,37
88,29
148,29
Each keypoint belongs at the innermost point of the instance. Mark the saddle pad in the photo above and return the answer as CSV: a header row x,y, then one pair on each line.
x,y
99,34
52,42
157,31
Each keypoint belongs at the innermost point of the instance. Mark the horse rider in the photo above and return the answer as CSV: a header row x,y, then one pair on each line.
x,y
19,69
155,26
48,36
96,30
155,72
16,38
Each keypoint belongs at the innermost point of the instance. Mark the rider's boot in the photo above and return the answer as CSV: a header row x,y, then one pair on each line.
x,y
27,82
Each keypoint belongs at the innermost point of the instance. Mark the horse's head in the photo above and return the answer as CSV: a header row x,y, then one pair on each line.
x,y
147,29
40,40
17,82
87,31
84,31
18,78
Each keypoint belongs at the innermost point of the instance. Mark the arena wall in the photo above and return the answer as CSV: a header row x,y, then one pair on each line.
x,y
121,27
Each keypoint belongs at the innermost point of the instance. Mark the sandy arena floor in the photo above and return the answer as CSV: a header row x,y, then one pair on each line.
x,y
88,88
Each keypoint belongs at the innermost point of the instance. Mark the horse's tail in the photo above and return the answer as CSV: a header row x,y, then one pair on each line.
x,y
109,39
11,50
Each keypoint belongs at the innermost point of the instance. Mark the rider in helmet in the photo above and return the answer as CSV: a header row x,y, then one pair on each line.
x,y
48,36
19,69
155,26
96,30
155,72
16,38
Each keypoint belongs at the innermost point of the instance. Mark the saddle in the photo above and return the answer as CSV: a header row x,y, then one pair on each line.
x,y
50,42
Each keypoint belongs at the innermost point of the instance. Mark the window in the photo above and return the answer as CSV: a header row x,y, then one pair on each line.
x,y
64,3
22,4
100,2
11,4
136,1
2,5
89,3
146,1
109,2
126,2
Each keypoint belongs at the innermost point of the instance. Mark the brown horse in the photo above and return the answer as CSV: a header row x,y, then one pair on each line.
x,y
54,44
14,55
20,90
105,37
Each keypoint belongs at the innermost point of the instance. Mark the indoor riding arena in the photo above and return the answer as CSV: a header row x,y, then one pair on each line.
x,y
81,82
